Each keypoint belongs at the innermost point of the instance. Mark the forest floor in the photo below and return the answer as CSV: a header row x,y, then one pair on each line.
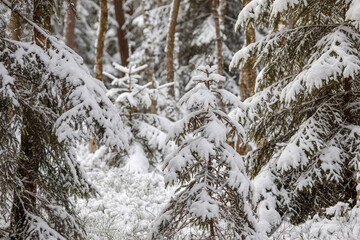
x,y
128,203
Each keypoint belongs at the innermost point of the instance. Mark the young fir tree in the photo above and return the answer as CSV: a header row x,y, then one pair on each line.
x,y
148,131
215,195
305,113
48,101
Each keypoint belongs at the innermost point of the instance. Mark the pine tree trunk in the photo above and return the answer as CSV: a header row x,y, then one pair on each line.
x,y
27,171
149,69
14,28
212,230
14,25
247,76
101,39
170,46
99,56
219,40
121,32
24,200
358,188
158,3
69,30
248,72
42,17
350,120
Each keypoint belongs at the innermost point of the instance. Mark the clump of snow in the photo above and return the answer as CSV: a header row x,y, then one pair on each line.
x,y
138,162
353,13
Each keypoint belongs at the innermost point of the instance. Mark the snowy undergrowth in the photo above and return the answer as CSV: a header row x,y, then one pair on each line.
x,y
342,223
128,202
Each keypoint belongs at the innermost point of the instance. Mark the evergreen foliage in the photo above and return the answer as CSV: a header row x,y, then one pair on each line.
x,y
305,113
215,195
148,131
48,101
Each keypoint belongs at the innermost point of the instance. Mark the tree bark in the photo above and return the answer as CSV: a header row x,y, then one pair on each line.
x,y
42,17
24,200
248,72
121,32
170,46
247,77
14,25
148,60
69,30
101,39
219,38
99,56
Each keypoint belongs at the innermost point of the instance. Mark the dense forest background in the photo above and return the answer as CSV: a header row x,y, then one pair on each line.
x,y
170,119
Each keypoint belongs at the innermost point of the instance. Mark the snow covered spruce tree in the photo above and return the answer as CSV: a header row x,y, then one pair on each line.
x,y
48,101
147,130
214,199
305,113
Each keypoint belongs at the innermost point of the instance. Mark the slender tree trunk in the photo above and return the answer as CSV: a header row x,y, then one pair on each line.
x,y
70,19
170,45
121,32
24,200
14,28
148,60
348,96
158,3
248,72
247,76
358,189
101,39
99,56
42,17
14,25
212,230
219,38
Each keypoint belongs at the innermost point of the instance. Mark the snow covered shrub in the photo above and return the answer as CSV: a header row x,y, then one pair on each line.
x,y
127,203
305,113
148,131
341,222
215,195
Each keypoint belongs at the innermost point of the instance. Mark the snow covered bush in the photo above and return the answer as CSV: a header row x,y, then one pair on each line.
x,y
215,195
339,222
305,113
148,131
127,203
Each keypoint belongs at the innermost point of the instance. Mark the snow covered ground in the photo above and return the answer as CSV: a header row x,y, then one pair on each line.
x,y
128,202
